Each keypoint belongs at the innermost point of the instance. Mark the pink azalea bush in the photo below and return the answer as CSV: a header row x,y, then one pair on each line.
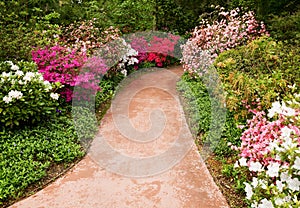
x,y
63,65
270,150
209,39
157,50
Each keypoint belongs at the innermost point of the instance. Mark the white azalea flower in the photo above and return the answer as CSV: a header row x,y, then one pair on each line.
x,y
287,111
293,184
54,96
286,132
10,62
255,166
236,164
124,71
254,182
15,94
243,161
279,185
15,67
262,183
297,163
276,109
7,99
254,205
6,75
279,201
273,169
28,76
248,190
19,73
285,176
265,204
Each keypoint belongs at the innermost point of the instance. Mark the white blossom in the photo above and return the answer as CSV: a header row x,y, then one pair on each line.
x,y
28,76
265,204
273,169
293,184
15,94
284,176
255,166
276,109
5,75
297,163
54,96
286,132
248,190
19,73
254,182
279,201
7,99
279,185
124,71
15,67
243,161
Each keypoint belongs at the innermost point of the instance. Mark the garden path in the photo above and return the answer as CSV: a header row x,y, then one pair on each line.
x,y
150,161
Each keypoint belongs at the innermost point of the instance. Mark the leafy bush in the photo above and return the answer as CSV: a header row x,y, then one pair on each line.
x,y
285,27
270,150
19,38
27,153
258,73
198,108
25,97
212,37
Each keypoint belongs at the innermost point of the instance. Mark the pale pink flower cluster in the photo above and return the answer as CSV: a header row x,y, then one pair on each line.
x,y
271,151
210,39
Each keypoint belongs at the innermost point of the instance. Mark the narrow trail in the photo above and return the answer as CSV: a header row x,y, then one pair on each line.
x,y
144,156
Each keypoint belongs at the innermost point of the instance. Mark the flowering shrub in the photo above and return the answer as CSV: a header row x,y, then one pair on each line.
x,y
270,149
158,50
25,96
59,64
87,38
70,68
211,38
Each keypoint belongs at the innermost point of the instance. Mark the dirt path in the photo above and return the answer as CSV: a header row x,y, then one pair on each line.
x,y
144,156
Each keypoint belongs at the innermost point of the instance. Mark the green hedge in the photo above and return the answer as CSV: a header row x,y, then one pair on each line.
x,y
258,73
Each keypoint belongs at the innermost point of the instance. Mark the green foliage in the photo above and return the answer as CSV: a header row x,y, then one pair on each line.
x,y
265,8
18,39
238,175
131,16
85,123
25,154
259,72
285,27
198,108
108,86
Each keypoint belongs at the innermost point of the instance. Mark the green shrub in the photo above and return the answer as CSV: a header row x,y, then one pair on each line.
x,y
257,74
18,39
198,109
25,97
25,154
285,27
85,124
